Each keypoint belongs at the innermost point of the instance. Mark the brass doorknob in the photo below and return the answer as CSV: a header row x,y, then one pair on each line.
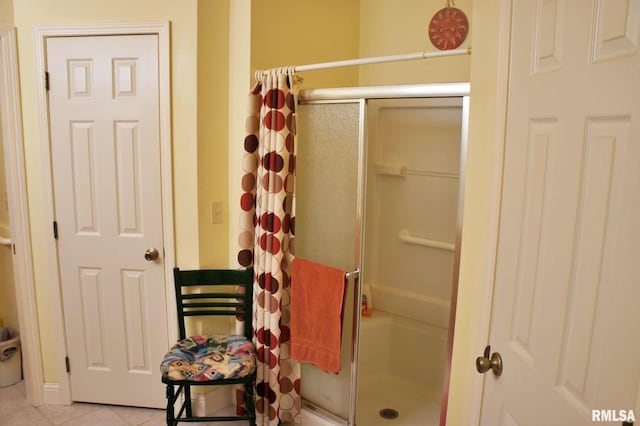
x,y
484,363
151,254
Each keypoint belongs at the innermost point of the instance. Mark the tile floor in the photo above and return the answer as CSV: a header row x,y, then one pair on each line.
x,y
16,411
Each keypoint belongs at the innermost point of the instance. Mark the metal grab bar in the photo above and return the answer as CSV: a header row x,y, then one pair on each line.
x,y
409,239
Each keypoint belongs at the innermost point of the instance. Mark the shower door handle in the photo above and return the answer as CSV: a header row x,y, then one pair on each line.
x,y
484,363
352,275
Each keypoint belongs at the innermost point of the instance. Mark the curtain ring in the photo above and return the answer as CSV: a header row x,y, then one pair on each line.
x,y
291,71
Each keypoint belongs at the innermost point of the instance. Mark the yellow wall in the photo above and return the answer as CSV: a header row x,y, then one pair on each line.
x,y
8,308
336,30
6,12
392,27
290,32
8,311
239,83
4,207
213,99
4,298
481,192
183,17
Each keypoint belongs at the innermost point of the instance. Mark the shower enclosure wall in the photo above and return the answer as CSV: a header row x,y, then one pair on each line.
x,y
379,178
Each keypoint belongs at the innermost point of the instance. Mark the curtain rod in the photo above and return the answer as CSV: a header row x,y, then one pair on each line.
x,y
373,60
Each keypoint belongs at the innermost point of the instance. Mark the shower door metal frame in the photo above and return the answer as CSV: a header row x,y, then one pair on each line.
x,y
361,96
359,246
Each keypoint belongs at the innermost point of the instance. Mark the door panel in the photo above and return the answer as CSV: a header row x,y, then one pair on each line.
x,y
327,225
104,115
565,277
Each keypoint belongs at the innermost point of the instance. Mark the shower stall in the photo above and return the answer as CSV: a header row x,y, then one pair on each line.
x,y
380,173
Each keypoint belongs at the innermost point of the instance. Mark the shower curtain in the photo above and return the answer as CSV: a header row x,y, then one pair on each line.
x,y
266,240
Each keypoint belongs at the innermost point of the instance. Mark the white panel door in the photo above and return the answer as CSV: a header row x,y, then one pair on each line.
x,y
104,117
565,316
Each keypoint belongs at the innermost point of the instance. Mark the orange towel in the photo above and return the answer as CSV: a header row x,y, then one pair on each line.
x,y
317,295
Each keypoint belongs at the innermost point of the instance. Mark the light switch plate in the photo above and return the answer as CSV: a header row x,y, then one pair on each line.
x,y
217,212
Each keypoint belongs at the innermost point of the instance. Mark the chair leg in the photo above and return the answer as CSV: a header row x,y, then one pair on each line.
x,y
187,399
251,410
171,399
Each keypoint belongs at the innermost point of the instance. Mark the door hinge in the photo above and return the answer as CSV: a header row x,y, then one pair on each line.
x,y
66,363
55,230
46,80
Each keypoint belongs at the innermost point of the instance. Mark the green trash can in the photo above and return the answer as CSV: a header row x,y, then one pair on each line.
x,y
10,357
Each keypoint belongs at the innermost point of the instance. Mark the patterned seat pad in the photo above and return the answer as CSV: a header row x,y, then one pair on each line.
x,y
206,358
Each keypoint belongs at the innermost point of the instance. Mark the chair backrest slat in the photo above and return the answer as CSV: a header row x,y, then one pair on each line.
x,y
209,313
213,295
210,303
215,305
201,277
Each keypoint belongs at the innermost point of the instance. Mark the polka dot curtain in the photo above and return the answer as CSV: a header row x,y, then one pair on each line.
x,y
267,231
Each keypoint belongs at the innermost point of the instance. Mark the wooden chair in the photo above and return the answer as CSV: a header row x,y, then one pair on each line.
x,y
216,359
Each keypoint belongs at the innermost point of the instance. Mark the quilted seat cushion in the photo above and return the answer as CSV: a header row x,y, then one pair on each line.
x,y
206,358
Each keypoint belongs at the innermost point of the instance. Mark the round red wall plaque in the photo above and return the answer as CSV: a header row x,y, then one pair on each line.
x,y
448,28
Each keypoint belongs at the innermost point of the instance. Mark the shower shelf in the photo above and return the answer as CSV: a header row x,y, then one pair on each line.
x,y
406,237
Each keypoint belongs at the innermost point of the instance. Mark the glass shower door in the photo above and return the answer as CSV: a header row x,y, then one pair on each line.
x,y
328,223
414,178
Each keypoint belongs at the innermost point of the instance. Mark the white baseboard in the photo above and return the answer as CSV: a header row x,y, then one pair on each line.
x,y
52,394
207,404
204,404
